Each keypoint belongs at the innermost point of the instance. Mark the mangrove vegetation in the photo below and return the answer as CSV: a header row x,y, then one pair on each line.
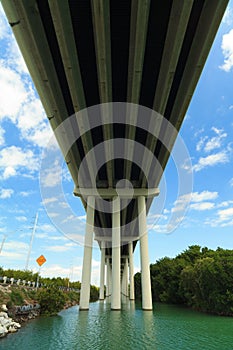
x,y
200,278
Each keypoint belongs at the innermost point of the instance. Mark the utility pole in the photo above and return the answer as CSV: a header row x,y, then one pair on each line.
x,y
31,241
3,241
70,274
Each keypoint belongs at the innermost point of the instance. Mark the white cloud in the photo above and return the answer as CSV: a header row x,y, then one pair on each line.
x,y
74,272
202,206
26,193
53,215
201,143
231,182
166,211
46,228
32,122
56,270
57,238
13,160
211,160
71,244
51,237
198,132
12,94
66,174
228,16
57,248
2,139
227,50
211,143
9,171
6,193
12,255
217,131
61,248
50,200
64,204
224,217
78,238
14,58
154,217
19,104
21,218
13,55
216,141
15,247
18,100
69,218
16,211
52,176
225,214
224,204
196,197
160,228
181,203
203,196
3,24
197,200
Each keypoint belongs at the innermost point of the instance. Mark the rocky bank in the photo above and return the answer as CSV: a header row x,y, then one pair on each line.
x,y
7,324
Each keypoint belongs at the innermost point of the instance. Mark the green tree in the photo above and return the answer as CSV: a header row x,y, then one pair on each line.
x,y
198,277
51,300
94,293
137,285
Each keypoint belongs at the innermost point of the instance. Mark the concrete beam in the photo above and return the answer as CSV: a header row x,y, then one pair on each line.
x,y
109,193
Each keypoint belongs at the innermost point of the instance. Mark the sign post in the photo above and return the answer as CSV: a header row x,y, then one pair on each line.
x,y
40,261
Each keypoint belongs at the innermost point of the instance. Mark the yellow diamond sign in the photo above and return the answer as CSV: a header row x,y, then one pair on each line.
x,y
41,260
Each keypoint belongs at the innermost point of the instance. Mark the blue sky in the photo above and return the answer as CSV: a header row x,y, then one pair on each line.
x,y
24,131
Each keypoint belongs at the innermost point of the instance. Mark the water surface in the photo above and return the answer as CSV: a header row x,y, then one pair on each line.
x,y
168,327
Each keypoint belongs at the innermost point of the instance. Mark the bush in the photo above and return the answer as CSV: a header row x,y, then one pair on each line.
x,y
9,304
51,301
16,297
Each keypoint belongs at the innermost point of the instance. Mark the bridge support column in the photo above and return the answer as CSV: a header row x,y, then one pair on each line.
x,y
144,254
116,256
108,287
126,277
110,279
102,271
131,271
87,257
123,281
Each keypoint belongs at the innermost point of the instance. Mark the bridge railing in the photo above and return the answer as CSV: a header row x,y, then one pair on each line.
x,y
32,284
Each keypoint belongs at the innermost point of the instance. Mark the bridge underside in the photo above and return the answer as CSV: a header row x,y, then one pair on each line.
x,y
82,53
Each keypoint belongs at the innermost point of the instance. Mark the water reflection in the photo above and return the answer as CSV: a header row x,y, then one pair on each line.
x,y
100,328
148,334
132,305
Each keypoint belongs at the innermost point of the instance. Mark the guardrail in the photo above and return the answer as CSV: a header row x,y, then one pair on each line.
x,y
32,284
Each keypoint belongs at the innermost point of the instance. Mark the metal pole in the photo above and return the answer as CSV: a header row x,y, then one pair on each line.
x,y
37,280
31,242
3,241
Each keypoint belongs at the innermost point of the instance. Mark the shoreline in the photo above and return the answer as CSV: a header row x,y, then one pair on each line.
x,y
19,305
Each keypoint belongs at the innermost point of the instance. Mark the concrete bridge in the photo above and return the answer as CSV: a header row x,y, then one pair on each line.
x,y
137,62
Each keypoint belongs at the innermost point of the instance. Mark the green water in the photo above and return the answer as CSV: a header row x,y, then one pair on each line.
x,y
166,328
